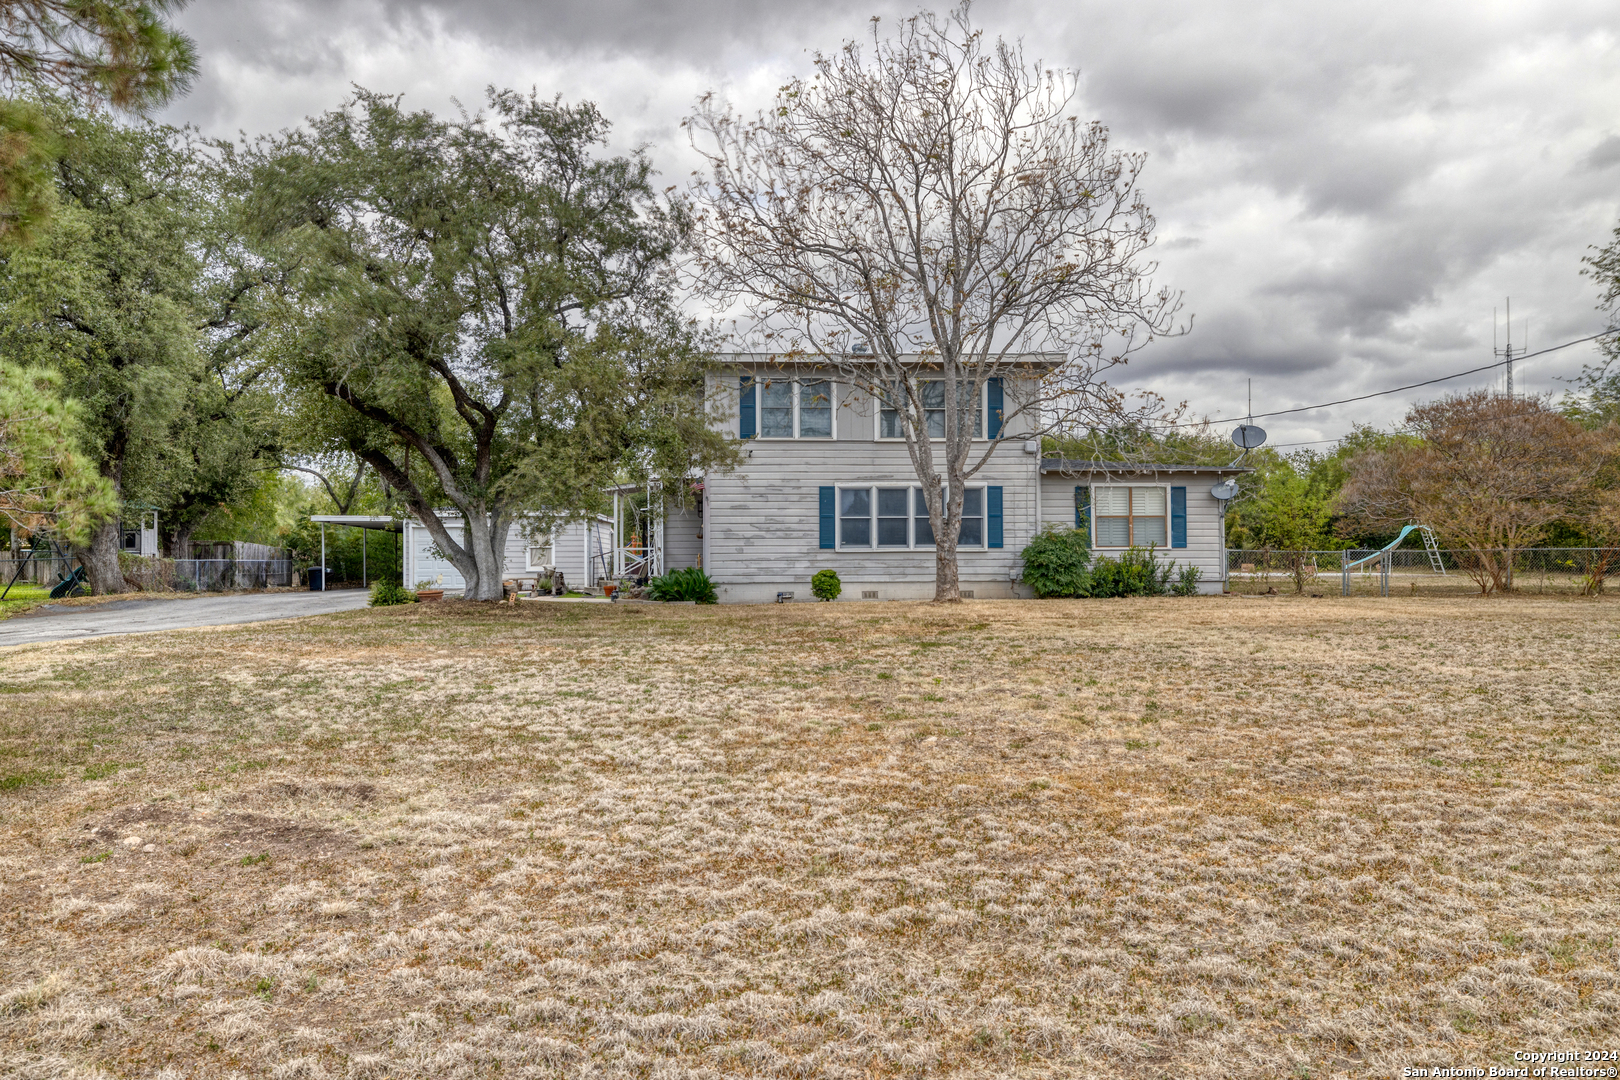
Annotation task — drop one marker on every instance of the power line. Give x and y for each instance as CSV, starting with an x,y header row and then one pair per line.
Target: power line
x,y
1399,389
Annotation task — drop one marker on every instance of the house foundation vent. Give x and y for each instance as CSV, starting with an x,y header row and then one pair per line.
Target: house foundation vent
x,y
869,594
967,594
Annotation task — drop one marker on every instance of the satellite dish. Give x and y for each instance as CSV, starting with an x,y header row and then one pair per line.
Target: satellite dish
x,y
1224,490
1249,437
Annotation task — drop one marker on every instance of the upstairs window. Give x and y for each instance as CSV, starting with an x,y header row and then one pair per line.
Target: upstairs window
x,y
776,409
794,408
932,392
1129,516
815,409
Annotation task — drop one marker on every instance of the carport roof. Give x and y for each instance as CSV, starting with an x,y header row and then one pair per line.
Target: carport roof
x,y
360,521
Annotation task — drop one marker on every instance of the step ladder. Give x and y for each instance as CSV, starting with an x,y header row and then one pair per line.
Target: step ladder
x,y
1433,549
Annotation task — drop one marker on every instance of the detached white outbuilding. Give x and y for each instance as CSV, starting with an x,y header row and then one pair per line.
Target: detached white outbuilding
x,y
581,550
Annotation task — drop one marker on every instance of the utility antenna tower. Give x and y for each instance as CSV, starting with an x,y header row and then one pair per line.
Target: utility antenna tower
x,y
1508,351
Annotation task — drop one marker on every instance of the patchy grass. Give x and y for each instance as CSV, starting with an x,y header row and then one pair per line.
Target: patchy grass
x,y
22,597
1142,838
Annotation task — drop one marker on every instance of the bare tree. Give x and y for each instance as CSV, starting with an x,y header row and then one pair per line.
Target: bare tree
x,y
927,217
1489,474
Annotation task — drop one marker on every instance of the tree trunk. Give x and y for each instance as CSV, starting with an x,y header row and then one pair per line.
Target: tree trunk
x,y
479,554
101,560
486,545
947,575
180,542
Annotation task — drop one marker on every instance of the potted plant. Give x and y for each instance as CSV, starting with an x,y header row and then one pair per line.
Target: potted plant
x,y
428,591
609,588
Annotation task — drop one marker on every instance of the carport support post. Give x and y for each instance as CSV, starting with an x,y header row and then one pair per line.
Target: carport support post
x,y
323,556
365,534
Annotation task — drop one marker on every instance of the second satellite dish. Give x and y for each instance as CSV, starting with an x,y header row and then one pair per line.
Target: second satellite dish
x,y
1249,437
1225,490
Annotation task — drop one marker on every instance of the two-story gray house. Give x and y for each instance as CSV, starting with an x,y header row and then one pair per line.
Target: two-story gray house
x,y
826,483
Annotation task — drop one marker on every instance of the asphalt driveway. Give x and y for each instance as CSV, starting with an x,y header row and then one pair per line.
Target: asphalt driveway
x,y
146,616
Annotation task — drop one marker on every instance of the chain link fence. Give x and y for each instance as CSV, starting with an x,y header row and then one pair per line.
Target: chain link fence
x,y
207,575
1566,571
166,575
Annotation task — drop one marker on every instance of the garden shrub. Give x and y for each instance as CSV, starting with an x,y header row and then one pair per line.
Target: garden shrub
x,y
690,583
1187,579
1055,562
825,585
388,593
1136,572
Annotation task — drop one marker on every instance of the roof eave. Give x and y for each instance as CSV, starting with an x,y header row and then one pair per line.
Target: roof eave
x,y
1064,465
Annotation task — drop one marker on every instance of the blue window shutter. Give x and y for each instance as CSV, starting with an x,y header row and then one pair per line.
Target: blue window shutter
x,y
1178,517
829,506
745,407
997,404
992,511
1082,508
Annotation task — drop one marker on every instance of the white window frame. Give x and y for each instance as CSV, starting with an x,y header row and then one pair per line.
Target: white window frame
x,y
528,554
1130,518
914,493
796,381
984,408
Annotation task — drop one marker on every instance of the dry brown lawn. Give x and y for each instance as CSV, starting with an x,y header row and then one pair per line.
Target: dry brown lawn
x,y
1171,838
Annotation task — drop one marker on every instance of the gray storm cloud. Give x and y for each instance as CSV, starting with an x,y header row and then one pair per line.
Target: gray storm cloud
x,y
1343,192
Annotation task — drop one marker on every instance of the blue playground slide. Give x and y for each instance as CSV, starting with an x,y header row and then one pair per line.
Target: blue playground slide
x,y
1379,554
1436,563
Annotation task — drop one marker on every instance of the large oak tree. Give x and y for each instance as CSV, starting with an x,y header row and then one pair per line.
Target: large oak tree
x,y
480,311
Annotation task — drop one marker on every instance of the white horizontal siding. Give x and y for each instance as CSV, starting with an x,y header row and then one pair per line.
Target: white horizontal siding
x,y
683,546
764,520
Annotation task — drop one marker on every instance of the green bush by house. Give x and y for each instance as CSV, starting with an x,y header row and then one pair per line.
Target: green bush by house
x,y
1135,572
690,583
1055,562
825,585
388,593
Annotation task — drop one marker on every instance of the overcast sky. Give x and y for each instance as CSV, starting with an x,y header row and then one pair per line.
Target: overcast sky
x,y
1344,191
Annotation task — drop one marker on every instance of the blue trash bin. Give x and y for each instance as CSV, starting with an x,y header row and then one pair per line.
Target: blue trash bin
x,y
317,579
